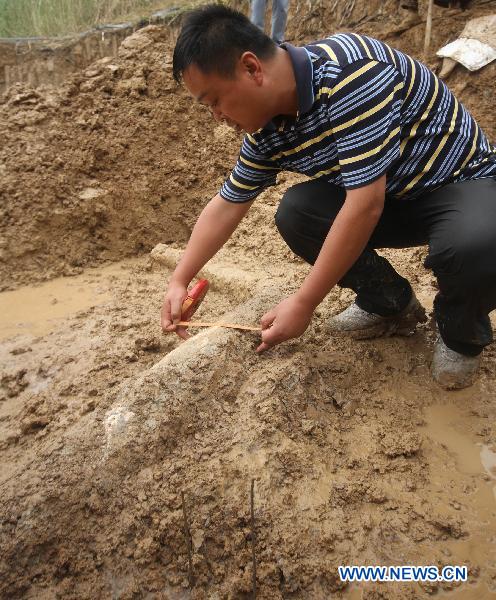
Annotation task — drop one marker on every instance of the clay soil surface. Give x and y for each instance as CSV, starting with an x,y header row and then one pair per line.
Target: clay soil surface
x,y
106,424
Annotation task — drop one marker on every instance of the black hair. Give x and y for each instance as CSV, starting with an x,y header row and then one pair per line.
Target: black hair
x,y
213,37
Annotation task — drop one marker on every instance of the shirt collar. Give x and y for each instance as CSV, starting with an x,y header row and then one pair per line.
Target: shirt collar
x,y
303,71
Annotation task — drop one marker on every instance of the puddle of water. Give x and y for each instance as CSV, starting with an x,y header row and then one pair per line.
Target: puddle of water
x,y
450,426
488,460
37,309
445,424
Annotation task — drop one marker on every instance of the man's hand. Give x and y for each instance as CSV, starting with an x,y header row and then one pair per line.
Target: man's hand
x,y
287,320
172,308
215,225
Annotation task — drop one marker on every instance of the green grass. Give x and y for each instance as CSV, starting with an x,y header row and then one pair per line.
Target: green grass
x,y
27,18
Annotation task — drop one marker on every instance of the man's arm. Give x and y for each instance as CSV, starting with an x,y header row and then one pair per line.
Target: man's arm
x,y
214,226
344,243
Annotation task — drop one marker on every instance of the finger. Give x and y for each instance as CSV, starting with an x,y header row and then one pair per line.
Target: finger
x,y
165,319
270,338
273,336
166,322
267,320
263,347
176,310
182,333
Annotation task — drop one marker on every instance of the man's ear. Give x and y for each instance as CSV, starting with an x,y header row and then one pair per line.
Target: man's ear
x,y
250,64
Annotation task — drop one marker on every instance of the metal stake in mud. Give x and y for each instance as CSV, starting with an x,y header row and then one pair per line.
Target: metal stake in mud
x,y
253,540
187,535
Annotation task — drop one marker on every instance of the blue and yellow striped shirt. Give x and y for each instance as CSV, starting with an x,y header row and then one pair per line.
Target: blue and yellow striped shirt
x,y
365,109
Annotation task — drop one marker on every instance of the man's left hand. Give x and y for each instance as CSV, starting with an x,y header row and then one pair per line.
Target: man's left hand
x,y
289,319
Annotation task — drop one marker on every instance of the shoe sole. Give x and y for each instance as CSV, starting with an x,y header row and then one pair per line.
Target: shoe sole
x,y
451,381
404,325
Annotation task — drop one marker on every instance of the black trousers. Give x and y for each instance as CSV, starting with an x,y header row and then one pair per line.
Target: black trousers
x,y
457,221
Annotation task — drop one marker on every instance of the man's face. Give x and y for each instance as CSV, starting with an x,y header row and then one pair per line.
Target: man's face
x,y
238,101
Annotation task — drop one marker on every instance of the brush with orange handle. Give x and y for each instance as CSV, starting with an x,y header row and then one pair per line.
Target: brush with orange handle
x,y
192,302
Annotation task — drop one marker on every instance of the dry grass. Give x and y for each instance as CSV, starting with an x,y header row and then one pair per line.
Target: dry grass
x,y
26,18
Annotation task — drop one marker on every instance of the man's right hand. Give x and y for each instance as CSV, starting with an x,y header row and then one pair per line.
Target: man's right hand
x,y
172,308
215,225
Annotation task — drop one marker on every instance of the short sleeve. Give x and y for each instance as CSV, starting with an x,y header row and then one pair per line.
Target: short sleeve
x,y
251,175
365,112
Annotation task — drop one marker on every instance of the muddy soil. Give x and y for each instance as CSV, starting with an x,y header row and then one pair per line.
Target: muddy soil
x,y
357,457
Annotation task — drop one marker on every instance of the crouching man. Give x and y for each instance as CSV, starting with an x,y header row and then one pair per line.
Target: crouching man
x,y
394,161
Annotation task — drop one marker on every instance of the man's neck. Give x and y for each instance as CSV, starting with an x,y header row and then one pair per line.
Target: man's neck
x,y
283,83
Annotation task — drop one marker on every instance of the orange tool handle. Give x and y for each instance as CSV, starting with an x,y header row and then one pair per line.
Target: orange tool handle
x,y
194,299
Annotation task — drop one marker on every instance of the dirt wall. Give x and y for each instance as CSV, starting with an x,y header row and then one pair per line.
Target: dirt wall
x,y
95,169
37,61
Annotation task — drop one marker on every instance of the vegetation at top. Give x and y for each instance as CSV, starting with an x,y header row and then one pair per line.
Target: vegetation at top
x,y
33,18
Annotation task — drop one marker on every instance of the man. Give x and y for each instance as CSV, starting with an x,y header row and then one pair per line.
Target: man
x,y
394,160
279,17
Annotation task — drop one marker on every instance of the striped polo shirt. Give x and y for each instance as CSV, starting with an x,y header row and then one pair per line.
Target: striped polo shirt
x,y
364,109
